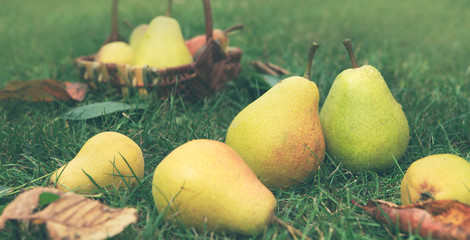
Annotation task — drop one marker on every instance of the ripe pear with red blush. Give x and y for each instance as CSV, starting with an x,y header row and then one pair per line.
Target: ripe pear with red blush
x,y
438,176
279,134
205,184
197,43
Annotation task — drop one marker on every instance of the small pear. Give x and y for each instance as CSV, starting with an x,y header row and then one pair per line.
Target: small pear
x,y
205,184
137,34
365,128
116,52
162,45
279,134
111,159
196,43
440,177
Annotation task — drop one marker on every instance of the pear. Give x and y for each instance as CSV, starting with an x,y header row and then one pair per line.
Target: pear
x,y
162,45
107,160
196,43
137,34
116,52
279,134
440,177
364,127
205,184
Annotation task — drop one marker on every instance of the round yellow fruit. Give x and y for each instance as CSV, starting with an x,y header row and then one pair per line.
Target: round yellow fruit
x,y
116,52
439,176
107,160
205,184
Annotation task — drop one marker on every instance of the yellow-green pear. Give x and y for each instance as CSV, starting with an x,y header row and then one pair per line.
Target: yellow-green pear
x,y
205,184
162,45
116,52
279,134
365,128
438,176
137,34
107,160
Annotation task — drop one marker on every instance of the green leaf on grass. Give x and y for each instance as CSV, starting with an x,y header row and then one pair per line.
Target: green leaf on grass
x,y
264,81
270,80
46,198
98,109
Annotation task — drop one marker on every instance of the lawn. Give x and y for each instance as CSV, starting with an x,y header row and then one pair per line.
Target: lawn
x,y
420,47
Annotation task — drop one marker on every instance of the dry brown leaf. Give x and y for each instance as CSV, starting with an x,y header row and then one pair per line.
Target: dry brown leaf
x,y
439,219
71,216
77,91
42,90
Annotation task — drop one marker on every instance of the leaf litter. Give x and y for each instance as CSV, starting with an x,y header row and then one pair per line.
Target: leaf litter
x,y
68,215
437,219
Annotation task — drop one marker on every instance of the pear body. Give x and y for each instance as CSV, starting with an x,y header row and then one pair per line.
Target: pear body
x,y
364,127
162,45
205,182
116,52
102,158
279,134
137,34
196,43
439,176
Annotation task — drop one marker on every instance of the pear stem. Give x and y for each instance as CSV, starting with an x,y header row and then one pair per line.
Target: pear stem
x,y
308,69
290,228
348,44
168,10
235,27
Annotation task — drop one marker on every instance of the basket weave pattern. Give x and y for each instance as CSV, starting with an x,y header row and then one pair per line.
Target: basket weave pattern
x,y
208,73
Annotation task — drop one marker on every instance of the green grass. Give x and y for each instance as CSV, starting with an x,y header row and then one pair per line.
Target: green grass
x,y
419,46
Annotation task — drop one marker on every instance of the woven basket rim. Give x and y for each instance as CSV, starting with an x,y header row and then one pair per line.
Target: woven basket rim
x,y
193,79
91,59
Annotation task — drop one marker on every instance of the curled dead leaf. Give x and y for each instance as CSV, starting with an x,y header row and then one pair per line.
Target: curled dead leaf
x,y
77,91
70,216
43,90
438,219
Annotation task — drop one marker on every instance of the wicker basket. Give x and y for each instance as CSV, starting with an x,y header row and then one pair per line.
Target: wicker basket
x,y
209,72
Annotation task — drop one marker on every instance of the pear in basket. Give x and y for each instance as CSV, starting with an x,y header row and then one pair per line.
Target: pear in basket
x,y
162,45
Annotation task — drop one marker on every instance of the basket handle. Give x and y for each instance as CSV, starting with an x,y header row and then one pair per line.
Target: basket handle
x,y
208,19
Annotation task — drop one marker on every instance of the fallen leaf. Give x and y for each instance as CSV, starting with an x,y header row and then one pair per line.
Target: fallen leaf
x,y
42,90
77,91
68,215
438,219
98,109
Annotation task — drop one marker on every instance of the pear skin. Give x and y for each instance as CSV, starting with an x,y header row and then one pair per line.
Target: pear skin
x,y
162,45
137,34
116,52
364,127
439,176
102,158
279,134
205,184
196,43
